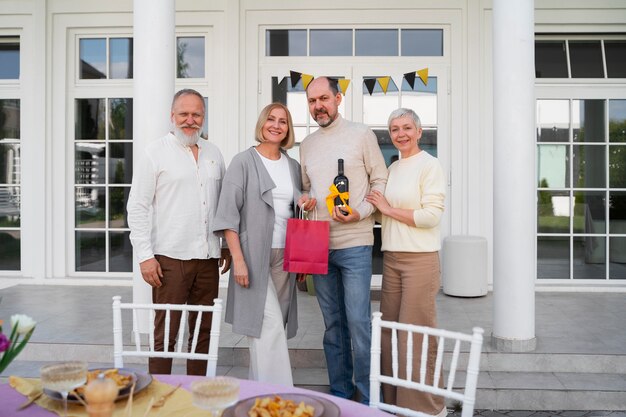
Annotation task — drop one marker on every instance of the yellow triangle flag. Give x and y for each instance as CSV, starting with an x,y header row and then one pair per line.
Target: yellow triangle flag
x,y
423,74
343,84
306,79
384,83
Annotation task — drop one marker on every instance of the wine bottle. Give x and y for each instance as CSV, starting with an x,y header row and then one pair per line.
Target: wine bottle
x,y
342,184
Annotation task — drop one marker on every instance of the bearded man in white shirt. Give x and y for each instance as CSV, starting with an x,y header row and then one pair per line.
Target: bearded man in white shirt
x,y
171,209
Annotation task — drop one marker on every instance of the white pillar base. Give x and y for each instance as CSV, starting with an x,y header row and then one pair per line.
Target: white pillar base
x,y
513,345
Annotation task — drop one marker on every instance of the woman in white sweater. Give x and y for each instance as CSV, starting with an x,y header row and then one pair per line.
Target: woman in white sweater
x,y
411,210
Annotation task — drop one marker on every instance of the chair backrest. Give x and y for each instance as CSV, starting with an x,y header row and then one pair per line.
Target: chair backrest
x,y
467,396
148,351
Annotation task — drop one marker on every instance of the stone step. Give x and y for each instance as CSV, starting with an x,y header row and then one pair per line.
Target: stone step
x,y
314,358
496,390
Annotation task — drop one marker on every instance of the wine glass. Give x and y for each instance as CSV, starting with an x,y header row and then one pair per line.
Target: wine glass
x,y
215,394
63,377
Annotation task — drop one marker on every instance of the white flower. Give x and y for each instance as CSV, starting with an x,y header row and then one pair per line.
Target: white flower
x,y
25,323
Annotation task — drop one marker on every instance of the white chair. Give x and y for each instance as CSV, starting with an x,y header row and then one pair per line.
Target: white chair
x,y
467,397
148,351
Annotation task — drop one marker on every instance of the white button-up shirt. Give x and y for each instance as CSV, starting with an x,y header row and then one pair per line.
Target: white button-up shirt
x,y
173,200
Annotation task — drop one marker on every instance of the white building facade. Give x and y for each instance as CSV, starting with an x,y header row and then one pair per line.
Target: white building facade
x,y
68,136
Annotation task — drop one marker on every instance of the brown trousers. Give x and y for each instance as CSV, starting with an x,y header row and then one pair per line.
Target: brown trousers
x,y
410,284
193,282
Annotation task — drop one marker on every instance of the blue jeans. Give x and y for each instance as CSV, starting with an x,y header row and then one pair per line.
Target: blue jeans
x,y
344,298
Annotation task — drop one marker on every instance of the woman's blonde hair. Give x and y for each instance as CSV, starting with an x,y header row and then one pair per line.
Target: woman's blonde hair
x,y
289,140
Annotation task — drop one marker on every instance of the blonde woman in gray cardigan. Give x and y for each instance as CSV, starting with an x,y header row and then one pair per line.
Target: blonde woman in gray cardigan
x,y
259,193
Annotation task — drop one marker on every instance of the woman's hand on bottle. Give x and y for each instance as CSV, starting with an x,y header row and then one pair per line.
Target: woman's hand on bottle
x,y
241,272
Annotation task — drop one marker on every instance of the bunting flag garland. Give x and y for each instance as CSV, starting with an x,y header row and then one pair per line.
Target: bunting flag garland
x,y
295,77
384,83
343,85
370,83
306,79
410,78
423,74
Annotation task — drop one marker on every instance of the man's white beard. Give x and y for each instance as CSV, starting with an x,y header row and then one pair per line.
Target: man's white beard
x,y
187,140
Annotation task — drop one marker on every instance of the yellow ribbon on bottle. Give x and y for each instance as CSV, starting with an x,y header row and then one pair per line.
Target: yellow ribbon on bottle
x,y
330,199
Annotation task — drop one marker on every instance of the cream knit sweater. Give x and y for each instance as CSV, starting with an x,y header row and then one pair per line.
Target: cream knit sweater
x,y
364,166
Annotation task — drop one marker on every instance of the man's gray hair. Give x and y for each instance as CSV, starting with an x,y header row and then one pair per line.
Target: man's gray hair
x,y
186,92
402,112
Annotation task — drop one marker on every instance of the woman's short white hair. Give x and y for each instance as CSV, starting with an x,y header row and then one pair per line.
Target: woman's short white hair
x,y
402,112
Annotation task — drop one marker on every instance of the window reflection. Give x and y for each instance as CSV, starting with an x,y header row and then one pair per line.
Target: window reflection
x,y
589,257
280,42
10,255
10,200
10,163
617,120
589,212
9,119
331,42
190,57
121,58
552,257
90,209
422,42
9,60
90,251
588,121
586,59
550,59
617,212
90,159
553,211
120,118
617,256
120,163
553,120
376,42
118,197
589,166
617,166
615,52
93,58
120,252
552,166
90,118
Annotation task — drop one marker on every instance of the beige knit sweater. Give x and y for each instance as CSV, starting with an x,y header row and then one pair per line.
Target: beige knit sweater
x,y
364,166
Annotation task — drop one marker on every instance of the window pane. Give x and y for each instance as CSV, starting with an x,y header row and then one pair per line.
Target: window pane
x,y
90,251
293,97
120,163
617,257
120,118
90,160
10,206
617,166
589,212
9,119
93,58
552,257
118,197
121,58
589,166
422,99
586,59
331,42
588,120
550,59
428,142
617,120
10,253
617,212
120,252
376,42
422,42
390,153
615,52
9,61
553,211
552,166
589,257
90,207
280,42
190,57
10,163
553,120
90,118
378,105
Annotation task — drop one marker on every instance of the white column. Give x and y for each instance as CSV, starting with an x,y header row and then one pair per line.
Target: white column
x,y
514,248
154,56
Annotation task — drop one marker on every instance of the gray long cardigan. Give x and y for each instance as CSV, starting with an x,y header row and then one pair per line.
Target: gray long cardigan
x,y
246,206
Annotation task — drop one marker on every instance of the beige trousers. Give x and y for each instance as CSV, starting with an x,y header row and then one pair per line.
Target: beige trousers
x,y
410,284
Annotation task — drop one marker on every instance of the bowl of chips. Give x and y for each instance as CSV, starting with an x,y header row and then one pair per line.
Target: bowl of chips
x,y
280,405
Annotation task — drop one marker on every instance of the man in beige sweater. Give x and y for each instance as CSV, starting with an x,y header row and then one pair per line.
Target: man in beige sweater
x,y
344,293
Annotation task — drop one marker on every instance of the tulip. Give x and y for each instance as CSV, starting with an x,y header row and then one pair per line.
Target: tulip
x,y
23,322
4,342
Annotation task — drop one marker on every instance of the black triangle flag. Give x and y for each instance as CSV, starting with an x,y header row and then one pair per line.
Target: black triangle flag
x,y
370,83
410,78
295,77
